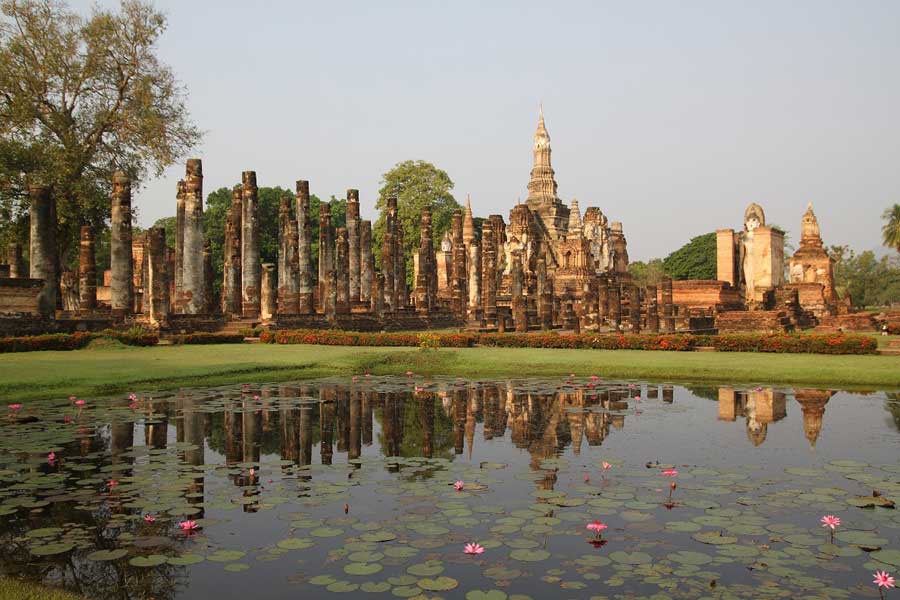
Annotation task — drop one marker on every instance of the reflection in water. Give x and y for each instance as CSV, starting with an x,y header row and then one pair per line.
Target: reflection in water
x,y
241,428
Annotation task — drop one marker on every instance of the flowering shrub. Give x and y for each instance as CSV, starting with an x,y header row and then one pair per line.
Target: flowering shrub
x,y
815,343
208,338
804,343
74,341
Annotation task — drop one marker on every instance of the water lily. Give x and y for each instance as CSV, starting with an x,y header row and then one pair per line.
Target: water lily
x,y
637,398
149,519
15,407
832,522
758,388
597,527
883,580
409,373
252,472
112,483
132,397
355,378
594,378
368,374
188,526
670,472
587,478
475,548
51,458
459,485
606,466
79,403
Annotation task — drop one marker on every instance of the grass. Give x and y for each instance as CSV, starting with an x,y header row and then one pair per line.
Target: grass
x,y
109,370
13,589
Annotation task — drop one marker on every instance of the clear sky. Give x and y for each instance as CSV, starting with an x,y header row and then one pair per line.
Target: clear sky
x,y
669,116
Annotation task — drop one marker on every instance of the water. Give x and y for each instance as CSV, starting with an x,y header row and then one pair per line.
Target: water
x,y
335,486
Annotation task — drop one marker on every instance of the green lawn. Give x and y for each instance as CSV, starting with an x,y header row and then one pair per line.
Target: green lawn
x,y
99,371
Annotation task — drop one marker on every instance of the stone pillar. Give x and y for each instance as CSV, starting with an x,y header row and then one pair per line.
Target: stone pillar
x,y
267,292
121,266
516,282
652,310
489,275
377,295
87,272
288,261
193,278
366,261
14,258
305,299
615,303
331,296
209,292
179,246
474,267
231,285
458,287
156,287
634,308
326,253
602,300
251,270
387,270
668,308
425,298
140,260
353,243
545,295
342,271
402,292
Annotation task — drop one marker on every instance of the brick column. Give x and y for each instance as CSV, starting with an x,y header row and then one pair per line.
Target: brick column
x,y
156,288
121,293
353,244
87,272
366,261
251,270
305,299
193,278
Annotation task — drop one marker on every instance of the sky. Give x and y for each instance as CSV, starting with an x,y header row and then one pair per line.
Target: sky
x,y
669,116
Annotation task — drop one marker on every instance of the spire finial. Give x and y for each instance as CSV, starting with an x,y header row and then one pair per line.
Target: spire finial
x,y
541,111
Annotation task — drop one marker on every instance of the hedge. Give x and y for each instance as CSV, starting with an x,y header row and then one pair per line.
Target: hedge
x,y
74,341
836,343
208,338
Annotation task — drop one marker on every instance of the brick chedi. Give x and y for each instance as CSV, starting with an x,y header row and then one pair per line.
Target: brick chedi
x,y
251,270
811,270
305,299
87,272
120,261
193,279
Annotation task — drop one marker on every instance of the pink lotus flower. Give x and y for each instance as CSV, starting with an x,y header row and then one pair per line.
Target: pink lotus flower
x,y
189,526
597,527
112,483
72,398
149,518
256,397
831,521
758,388
594,378
79,403
51,457
355,378
638,398
368,374
458,486
476,548
132,397
571,375
606,466
409,373
883,579
670,472
15,407
252,472
631,385
587,478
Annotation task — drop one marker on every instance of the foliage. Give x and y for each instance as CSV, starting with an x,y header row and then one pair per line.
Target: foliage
x,y
869,281
208,338
890,232
74,341
694,260
762,342
416,184
649,273
79,98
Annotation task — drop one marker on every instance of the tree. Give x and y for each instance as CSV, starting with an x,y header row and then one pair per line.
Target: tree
x,y
79,99
268,203
868,280
694,260
646,273
416,184
890,232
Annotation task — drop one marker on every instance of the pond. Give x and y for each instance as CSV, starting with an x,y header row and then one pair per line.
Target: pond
x,y
340,486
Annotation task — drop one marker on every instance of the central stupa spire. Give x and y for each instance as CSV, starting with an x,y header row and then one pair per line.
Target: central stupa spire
x,y
542,198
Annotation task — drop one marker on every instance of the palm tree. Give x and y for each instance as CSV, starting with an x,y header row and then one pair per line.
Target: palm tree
x,y
890,233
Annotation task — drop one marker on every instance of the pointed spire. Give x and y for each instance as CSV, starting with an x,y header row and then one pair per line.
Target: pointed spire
x,y
468,223
575,224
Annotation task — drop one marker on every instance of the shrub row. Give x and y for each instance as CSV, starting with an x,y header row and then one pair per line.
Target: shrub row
x,y
74,341
787,343
208,338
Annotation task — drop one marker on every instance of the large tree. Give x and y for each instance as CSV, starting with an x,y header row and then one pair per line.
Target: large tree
x,y
694,260
81,97
416,184
890,232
